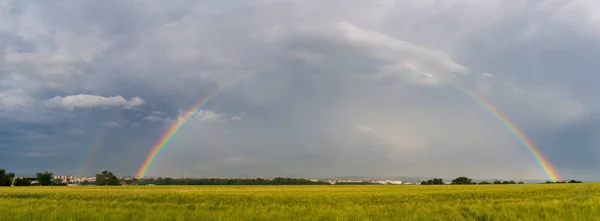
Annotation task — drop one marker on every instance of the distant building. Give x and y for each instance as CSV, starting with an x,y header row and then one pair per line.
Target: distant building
x,y
386,182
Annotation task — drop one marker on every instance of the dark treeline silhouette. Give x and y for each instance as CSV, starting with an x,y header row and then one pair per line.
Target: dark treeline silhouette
x,y
500,182
107,178
506,182
434,181
570,181
41,179
462,181
223,181
468,181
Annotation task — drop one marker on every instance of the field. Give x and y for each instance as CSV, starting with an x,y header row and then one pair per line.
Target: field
x,y
477,202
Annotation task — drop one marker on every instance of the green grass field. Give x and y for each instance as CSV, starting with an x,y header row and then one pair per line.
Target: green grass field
x,y
481,202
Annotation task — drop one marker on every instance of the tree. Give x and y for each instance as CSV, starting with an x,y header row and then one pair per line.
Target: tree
x,y
497,182
106,178
575,181
434,181
462,180
521,182
22,182
438,181
484,183
6,179
45,178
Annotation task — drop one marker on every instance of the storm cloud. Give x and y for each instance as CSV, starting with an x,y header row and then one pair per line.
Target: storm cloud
x,y
299,88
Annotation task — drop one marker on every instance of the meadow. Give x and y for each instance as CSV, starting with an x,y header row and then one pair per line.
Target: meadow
x,y
337,202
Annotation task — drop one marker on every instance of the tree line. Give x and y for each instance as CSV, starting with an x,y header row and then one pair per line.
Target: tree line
x,y
468,181
8,179
47,179
107,178
225,181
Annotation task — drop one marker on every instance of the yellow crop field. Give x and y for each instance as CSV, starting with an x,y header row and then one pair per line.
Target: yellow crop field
x,y
337,202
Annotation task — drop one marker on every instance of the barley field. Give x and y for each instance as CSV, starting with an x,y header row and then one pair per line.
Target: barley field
x,y
377,202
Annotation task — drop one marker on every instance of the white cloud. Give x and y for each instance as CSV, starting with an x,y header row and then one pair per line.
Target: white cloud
x,y
157,116
133,102
400,59
424,78
235,118
204,115
402,53
81,101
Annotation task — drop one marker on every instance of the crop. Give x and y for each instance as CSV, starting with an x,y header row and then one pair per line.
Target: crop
x,y
372,202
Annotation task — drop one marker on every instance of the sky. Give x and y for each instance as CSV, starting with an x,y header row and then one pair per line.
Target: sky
x,y
306,88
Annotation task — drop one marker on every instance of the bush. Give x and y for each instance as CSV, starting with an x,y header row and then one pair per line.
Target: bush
x,y
22,182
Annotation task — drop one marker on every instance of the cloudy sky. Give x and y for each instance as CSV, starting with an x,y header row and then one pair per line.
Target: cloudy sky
x,y
303,87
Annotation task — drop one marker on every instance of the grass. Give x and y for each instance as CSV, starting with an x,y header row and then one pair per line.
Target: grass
x,y
389,202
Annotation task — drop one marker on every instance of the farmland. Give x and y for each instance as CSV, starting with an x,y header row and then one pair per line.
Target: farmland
x,y
377,202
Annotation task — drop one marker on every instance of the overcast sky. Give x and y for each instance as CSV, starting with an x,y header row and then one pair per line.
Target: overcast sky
x,y
305,88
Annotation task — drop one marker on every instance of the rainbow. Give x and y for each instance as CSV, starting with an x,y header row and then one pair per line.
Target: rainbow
x,y
514,129
181,120
505,121
97,145
168,135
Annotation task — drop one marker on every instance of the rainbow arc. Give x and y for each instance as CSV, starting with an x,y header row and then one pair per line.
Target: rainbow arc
x,y
167,136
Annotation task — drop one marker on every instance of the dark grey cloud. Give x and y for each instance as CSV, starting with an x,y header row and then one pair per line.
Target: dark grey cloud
x,y
306,88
